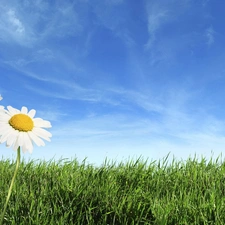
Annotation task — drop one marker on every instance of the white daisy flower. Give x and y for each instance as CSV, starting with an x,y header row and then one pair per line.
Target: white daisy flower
x,y
19,128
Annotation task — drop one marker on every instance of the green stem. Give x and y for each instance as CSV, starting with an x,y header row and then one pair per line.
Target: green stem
x,y
11,185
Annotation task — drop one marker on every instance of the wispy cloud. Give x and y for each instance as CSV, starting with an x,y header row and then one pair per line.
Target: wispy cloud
x,y
209,34
11,26
15,22
113,15
162,13
104,12
116,133
46,21
156,18
170,35
62,21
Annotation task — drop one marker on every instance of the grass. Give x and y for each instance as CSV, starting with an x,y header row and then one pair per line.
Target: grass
x,y
135,192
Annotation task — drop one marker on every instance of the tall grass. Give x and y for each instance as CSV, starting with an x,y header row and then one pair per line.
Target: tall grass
x,y
135,192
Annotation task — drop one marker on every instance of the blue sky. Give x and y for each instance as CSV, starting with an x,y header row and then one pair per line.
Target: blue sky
x,y
117,78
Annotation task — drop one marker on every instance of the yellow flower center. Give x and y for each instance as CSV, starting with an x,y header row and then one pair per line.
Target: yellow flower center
x,y
21,122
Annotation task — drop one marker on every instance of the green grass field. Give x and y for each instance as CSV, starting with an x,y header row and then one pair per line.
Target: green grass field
x,y
135,192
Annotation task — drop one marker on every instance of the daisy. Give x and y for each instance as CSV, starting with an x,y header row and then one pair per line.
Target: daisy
x,y
19,128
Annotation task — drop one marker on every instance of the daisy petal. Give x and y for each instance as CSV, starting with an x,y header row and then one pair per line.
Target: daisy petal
x,y
32,113
24,110
12,111
27,143
36,139
42,133
38,122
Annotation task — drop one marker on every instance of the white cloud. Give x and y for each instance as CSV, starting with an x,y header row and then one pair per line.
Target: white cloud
x,y
157,15
15,22
169,118
11,26
27,23
160,14
155,21
64,21
209,33
112,14
117,135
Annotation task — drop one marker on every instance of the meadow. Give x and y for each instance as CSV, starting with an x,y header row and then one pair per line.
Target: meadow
x,y
127,193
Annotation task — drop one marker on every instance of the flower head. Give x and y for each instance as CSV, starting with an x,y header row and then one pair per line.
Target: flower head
x,y
19,128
